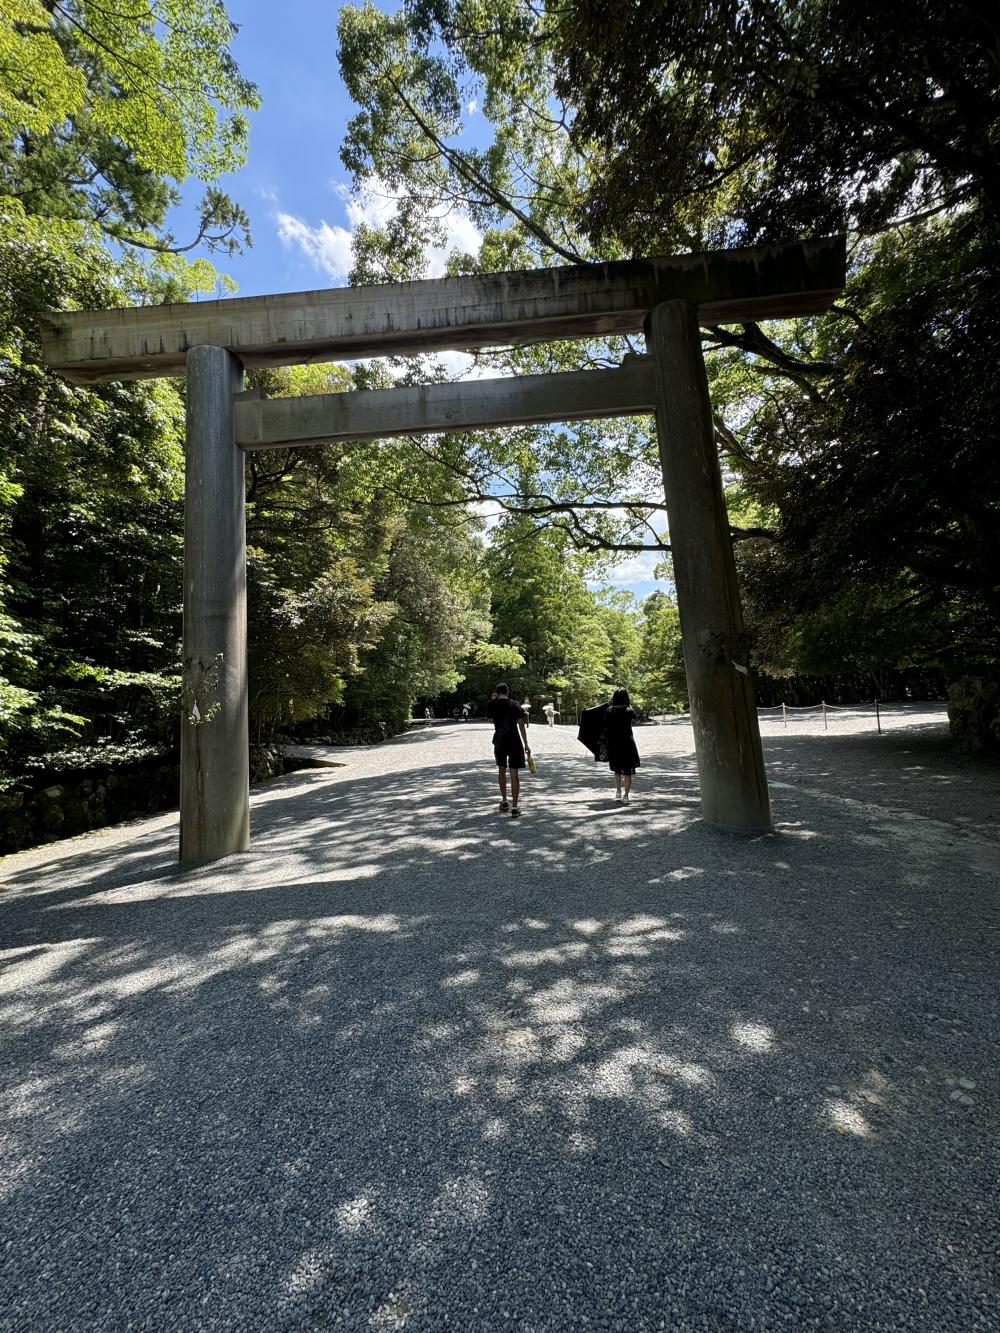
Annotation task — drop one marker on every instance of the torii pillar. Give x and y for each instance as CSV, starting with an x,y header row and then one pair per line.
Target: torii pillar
x,y
215,765
723,711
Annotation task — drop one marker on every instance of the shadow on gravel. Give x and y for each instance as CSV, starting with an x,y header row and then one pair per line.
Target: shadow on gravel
x,y
411,1065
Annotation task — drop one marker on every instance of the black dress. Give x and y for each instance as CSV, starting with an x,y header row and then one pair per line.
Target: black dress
x,y
623,757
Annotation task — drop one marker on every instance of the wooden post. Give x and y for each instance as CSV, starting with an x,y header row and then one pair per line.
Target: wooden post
x,y
215,780
726,733
825,727
784,714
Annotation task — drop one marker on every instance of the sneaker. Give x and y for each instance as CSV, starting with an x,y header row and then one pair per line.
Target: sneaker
x,y
504,807
515,813
625,799
618,797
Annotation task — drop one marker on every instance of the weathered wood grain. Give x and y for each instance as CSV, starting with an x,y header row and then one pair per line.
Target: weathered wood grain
x,y
215,779
731,773
412,410
497,309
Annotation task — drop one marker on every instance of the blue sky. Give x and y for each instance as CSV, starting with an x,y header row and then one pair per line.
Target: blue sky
x,y
294,186
290,52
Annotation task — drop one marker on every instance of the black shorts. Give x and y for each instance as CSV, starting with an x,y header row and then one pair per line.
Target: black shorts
x,y
508,750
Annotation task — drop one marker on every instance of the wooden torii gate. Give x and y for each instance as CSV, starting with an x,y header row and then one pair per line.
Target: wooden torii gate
x,y
667,298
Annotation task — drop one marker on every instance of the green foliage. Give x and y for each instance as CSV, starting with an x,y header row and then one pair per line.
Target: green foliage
x,y
496,657
108,109
707,124
974,713
878,499
412,74
106,112
542,605
435,587
868,486
661,684
619,614
89,511
38,88
365,599
351,585
857,447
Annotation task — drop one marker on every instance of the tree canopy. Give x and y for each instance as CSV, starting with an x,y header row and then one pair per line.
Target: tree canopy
x,y
712,123
108,110
607,132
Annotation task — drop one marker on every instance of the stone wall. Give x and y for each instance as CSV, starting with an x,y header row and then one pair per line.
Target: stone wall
x,y
81,799
58,805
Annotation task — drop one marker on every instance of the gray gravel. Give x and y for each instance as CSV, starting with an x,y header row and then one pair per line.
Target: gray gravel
x,y
410,1065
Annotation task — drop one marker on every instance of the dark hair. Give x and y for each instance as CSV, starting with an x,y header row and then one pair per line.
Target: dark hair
x,y
620,699
502,688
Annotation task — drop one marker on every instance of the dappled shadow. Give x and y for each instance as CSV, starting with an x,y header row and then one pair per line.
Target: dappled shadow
x,y
906,774
140,848
411,1063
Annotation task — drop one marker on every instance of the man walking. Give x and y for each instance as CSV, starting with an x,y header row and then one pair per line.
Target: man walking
x,y
510,744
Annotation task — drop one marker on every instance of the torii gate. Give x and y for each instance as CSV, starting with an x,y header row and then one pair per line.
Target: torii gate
x,y
667,297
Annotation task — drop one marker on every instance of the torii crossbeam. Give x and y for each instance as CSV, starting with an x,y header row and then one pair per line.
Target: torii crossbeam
x,y
667,297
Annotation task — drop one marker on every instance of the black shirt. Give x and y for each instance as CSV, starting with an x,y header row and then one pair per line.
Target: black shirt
x,y
505,715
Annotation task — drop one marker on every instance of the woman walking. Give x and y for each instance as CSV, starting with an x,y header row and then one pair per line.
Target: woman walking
x,y
623,757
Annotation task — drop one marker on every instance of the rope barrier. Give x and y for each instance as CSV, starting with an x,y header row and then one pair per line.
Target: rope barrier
x,y
805,708
826,708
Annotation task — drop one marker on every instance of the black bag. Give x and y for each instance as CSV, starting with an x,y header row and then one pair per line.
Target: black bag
x,y
593,731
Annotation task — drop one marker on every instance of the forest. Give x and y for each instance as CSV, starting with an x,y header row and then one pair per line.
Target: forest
x,y
858,447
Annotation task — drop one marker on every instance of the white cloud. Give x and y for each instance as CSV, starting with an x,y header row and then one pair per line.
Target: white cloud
x,y
328,247
463,366
458,365
490,511
375,207
657,520
377,204
472,107
636,570
461,233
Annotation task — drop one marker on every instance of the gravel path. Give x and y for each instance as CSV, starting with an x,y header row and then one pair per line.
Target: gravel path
x,y
412,1065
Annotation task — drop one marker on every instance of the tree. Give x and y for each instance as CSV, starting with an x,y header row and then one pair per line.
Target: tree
x,y
863,435
662,686
680,126
107,110
412,74
90,485
620,615
883,491
437,589
364,600
708,124
541,604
